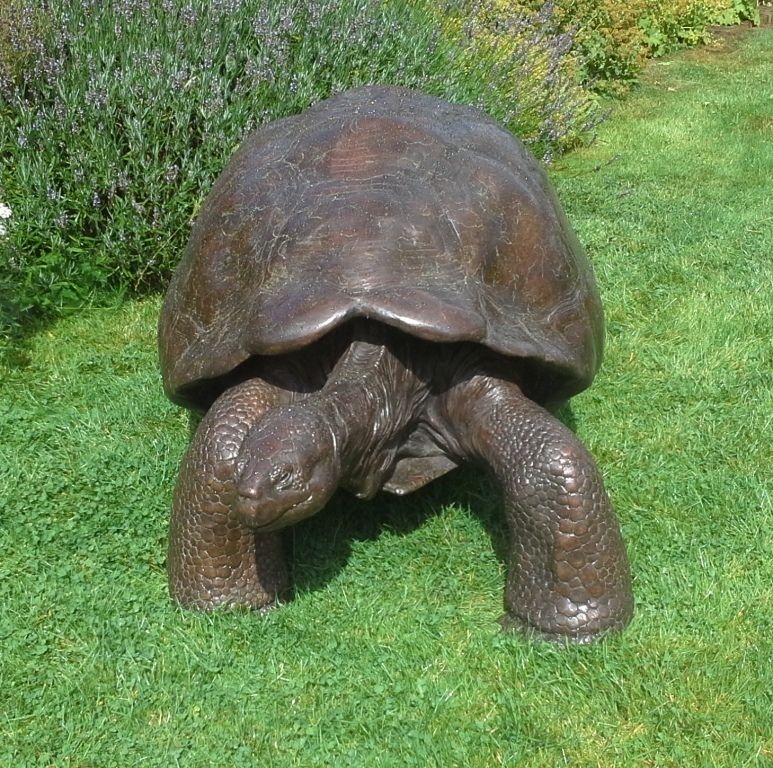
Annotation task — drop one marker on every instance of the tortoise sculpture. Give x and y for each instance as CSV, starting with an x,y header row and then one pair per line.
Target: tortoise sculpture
x,y
375,291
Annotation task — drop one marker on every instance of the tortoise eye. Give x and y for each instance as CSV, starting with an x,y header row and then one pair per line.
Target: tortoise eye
x,y
282,475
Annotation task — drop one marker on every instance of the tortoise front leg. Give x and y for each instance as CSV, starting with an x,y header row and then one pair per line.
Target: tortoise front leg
x,y
214,560
569,576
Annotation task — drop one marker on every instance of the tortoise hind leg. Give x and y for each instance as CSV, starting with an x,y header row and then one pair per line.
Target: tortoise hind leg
x,y
214,560
568,572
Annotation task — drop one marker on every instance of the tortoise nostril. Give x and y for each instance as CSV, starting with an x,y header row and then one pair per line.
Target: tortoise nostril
x,y
248,489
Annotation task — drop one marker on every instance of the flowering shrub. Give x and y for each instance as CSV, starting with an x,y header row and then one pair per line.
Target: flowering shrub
x,y
21,47
530,62
117,115
612,38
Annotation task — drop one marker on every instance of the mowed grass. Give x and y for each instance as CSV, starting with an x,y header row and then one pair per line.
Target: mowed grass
x,y
390,653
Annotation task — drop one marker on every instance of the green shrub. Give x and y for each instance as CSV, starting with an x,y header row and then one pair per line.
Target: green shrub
x,y
617,36
130,108
124,111
671,24
613,38
533,67
20,33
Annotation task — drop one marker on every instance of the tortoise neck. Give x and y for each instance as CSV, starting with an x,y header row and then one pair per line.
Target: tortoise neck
x,y
370,396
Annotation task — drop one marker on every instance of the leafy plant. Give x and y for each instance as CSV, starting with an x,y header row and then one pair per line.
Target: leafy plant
x,y
125,111
533,67
613,38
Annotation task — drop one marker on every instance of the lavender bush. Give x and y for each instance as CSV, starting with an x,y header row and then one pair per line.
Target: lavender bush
x,y
117,116
533,63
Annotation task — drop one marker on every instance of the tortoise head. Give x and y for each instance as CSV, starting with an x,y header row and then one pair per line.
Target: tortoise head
x,y
288,468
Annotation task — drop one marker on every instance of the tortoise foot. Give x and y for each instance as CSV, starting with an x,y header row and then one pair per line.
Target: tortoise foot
x,y
232,602
252,577
249,574
511,623
567,622
568,572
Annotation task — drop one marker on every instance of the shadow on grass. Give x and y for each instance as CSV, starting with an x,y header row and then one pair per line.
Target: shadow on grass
x,y
319,549
19,325
15,340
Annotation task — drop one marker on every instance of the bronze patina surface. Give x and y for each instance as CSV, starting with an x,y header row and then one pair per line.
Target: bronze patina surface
x,y
376,291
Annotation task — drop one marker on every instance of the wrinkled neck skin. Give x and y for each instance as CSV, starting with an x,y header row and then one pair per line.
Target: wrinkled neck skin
x,y
371,398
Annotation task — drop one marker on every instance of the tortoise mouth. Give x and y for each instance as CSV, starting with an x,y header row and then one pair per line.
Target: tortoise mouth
x,y
264,515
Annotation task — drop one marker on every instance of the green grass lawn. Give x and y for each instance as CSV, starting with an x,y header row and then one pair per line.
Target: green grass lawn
x,y
390,654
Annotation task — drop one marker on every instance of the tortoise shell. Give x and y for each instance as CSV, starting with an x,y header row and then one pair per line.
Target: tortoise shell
x,y
387,204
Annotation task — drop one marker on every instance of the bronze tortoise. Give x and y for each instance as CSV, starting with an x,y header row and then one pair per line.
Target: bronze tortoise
x,y
376,291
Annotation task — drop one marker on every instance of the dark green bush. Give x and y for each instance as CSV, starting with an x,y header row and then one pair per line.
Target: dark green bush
x,y
118,115
126,111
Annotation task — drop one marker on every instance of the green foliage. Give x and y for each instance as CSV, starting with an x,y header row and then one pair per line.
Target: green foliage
x,y
613,38
117,116
20,32
620,35
390,653
132,107
532,66
668,26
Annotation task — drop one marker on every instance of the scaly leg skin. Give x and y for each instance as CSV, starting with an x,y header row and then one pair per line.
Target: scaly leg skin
x,y
569,578
214,560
